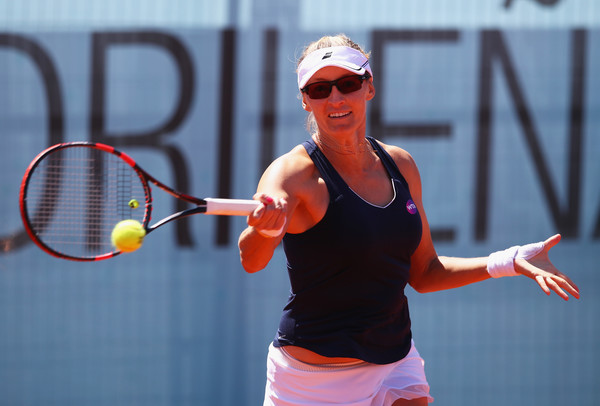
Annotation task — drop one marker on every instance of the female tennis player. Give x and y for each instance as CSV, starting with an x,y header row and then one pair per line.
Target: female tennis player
x,y
349,211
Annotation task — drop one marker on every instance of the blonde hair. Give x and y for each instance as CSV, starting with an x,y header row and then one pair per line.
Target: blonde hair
x,y
326,42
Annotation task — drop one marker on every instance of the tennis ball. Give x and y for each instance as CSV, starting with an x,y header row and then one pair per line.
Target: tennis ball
x,y
134,204
128,235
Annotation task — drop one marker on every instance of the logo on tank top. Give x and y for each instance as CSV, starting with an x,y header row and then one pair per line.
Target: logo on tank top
x,y
411,207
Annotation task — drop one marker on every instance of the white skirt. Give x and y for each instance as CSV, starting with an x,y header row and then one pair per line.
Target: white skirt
x,y
291,382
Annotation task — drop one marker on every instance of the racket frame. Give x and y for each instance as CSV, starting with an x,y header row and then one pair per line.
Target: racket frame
x,y
213,206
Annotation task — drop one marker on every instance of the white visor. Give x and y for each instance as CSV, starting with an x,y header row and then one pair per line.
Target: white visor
x,y
343,57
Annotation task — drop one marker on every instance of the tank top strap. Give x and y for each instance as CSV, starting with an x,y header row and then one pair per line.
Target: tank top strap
x,y
332,179
388,161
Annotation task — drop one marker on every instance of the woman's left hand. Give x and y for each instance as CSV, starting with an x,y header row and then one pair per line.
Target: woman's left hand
x,y
540,269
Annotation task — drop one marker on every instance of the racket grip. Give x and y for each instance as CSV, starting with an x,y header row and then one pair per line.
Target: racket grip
x,y
230,207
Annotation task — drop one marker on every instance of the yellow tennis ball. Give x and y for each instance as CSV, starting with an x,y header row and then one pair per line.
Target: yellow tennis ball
x,y
134,204
128,235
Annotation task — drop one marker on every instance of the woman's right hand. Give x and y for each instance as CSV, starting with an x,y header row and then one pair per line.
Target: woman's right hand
x,y
269,219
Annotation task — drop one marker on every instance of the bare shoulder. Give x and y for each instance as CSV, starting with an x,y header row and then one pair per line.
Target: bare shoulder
x,y
405,162
295,177
290,172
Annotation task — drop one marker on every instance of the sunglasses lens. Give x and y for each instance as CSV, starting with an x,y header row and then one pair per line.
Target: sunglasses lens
x,y
322,90
319,90
349,84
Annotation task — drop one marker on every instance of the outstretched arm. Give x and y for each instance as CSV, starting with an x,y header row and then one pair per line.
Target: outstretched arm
x,y
430,272
531,260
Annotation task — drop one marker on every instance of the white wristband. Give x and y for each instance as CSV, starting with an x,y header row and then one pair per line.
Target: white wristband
x,y
502,263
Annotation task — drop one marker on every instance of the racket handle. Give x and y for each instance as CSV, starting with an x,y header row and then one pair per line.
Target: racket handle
x,y
230,207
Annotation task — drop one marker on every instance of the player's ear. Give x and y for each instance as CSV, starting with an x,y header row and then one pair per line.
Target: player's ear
x,y
370,89
305,105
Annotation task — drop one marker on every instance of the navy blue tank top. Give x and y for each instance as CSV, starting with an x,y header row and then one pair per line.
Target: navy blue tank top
x,y
348,272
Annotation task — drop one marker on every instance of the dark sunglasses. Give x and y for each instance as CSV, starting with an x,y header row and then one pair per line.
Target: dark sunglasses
x,y
347,84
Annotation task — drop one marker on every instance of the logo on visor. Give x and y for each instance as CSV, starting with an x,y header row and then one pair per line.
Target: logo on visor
x,y
327,55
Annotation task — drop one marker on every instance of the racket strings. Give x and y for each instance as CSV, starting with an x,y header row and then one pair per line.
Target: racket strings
x,y
75,197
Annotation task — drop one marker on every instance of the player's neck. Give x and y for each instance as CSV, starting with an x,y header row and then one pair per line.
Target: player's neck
x,y
342,146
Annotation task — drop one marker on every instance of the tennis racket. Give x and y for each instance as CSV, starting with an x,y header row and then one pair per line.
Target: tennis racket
x,y
73,194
